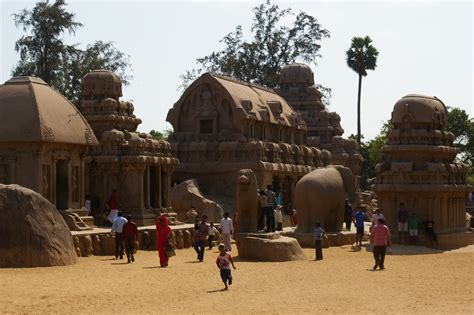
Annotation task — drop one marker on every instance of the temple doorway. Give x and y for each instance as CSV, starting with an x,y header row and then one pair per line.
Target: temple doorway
x,y
62,185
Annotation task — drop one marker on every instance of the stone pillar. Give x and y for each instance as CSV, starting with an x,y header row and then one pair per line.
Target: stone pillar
x,y
160,187
53,177
140,171
147,197
81,182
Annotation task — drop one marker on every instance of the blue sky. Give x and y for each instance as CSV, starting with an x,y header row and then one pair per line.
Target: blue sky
x,y
425,47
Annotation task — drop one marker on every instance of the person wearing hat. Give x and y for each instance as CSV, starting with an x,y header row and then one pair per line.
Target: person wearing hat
x,y
130,235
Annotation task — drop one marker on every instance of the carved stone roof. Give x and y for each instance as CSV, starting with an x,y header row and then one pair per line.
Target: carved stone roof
x,y
250,101
99,84
296,73
420,109
31,111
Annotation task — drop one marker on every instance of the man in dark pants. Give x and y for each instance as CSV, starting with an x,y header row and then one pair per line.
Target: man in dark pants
x,y
270,211
348,215
262,206
201,238
319,233
380,236
117,228
130,235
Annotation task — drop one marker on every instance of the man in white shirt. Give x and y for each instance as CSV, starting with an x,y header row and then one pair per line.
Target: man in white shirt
x,y
226,231
375,218
117,228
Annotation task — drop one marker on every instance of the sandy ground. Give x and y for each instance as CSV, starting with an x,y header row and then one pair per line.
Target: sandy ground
x,y
343,283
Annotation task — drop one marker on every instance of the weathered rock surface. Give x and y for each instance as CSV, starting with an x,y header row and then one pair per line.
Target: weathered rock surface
x,y
187,194
268,247
32,232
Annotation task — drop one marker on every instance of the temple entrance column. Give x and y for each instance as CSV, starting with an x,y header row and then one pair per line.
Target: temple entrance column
x,y
160,187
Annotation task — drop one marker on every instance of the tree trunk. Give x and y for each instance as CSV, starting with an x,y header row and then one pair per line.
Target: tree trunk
x,y
358,110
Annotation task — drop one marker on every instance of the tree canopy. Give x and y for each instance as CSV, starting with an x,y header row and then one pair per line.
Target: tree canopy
x,y
462,127
44,54
272,46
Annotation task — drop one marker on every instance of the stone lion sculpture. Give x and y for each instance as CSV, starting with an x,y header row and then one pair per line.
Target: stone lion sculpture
x,y
320,196
246,202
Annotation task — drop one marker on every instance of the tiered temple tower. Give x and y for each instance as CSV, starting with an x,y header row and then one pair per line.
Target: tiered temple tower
x,y
296,86
133,163
419,168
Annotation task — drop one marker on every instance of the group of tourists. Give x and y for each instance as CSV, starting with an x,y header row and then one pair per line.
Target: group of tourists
x,y
126,234
270,216
408,225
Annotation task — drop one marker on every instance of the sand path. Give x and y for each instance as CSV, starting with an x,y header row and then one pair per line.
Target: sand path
x,y
342,283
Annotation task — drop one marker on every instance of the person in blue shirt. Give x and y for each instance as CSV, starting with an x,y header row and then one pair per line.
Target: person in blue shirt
x,y
359,219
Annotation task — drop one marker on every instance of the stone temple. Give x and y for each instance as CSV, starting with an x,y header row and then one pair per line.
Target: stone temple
x,y
296,86
419,167
43,139
222,125
133,163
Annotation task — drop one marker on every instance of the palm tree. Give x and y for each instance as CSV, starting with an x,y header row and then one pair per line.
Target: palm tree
x,y
362,56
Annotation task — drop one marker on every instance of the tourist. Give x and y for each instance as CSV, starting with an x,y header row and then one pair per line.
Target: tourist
x,y
348,215
262,206
212,235
413,228
294,217
163,236
375,218
359,221
319,233
430,232
224,260
227,228
201,238
402,223
130,235
191,215
117,229
380,237
279,218
87,204
113,206
269,214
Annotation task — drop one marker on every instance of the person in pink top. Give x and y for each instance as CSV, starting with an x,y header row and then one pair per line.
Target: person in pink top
x,y
381,239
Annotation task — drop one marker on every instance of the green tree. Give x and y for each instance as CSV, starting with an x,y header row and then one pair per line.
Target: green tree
x,y
360,57
462,127
44,54
160,135
272,46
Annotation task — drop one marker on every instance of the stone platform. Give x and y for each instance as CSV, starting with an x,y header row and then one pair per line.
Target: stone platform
x,y
306,240
100,241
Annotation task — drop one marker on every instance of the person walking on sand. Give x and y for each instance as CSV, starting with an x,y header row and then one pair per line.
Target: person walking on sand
x,y
359,219
380,237
130,235
117,229
227,227
224,260
163,236
319,233
201,238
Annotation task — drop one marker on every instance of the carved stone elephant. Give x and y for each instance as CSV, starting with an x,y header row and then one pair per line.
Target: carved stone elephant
x,y
320,196
246,202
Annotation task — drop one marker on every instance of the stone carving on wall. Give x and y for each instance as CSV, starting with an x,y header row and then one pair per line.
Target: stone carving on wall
x,y
4,176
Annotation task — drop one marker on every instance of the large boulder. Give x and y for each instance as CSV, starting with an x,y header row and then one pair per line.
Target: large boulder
x,y
32,232
187,194
268,247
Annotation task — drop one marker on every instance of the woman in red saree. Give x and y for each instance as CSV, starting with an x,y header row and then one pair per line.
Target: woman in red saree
x,y
163,234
